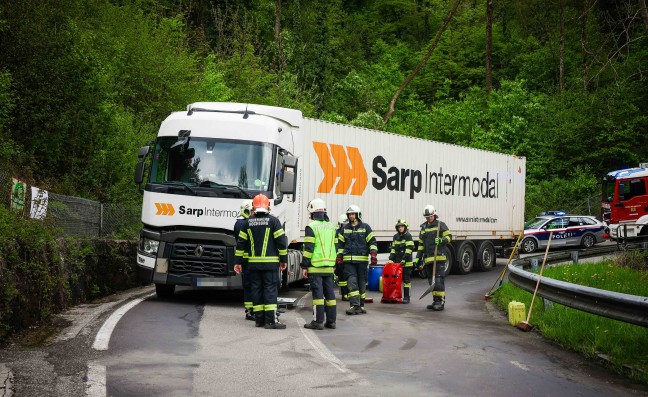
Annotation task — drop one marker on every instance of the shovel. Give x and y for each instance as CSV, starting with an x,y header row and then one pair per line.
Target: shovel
x,y
525,325
436,249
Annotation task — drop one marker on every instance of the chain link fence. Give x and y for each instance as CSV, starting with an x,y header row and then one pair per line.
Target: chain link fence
x,y
76,216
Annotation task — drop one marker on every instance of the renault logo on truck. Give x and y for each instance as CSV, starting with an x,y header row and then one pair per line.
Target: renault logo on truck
x,y
345,167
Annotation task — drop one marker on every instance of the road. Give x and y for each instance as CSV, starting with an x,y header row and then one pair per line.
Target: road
x,y
200,345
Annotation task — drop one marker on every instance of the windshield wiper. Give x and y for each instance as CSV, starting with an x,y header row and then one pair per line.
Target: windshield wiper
x,y
184,186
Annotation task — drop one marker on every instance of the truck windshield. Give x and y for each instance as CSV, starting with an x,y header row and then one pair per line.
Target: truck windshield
x,y
608,190
212,163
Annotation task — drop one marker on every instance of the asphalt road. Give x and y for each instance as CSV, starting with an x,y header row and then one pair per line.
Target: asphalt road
x,y
199,344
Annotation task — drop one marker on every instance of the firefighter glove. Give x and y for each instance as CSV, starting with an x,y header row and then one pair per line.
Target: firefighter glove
x,y
374,259
438,241
338,260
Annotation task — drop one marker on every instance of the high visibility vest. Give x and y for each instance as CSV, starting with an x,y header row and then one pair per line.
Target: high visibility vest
x,y
324,251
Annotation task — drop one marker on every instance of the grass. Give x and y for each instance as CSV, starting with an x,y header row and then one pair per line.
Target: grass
x,y
625,345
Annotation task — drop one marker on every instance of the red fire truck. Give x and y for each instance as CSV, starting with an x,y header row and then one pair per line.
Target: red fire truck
x,y
624,202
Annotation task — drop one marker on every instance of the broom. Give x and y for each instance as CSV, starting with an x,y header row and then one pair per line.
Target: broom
x,y
501,276
525,325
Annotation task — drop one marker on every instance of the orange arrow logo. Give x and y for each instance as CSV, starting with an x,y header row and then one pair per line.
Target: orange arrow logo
x,y
164,209
347,166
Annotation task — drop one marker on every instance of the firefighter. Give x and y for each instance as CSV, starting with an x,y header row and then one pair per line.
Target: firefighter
x,y
339,267
246,211
318,265
434,233
263,239
356,242
401,252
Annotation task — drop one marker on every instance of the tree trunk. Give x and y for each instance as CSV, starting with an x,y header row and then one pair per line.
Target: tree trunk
x,y
585,52
644,12
422,63
489,46
561,77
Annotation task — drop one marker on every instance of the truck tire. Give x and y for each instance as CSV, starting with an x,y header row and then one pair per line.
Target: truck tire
x,y
450,261
164,291
466,256
486,256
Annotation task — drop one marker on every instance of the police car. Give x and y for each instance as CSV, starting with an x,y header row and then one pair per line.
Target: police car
x,y
568,230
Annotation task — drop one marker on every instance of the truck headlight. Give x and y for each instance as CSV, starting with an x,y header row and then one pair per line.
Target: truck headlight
x,y
148,246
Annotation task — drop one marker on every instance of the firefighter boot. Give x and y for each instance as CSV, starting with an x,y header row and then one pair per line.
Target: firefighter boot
x,y
330,325
362,306
354,310
314,325
438,304
249,315
406,297
259,319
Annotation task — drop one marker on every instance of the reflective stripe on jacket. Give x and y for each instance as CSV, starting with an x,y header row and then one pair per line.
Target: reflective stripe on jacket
x,y
263,239
402,248
355,243
319,247
426,240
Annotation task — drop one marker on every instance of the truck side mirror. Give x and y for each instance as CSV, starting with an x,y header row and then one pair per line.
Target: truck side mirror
x,y
139,172
141,164
288,179
288,183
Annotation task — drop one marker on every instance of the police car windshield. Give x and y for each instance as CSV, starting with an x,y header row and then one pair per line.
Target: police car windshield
x,y
212,163
535,223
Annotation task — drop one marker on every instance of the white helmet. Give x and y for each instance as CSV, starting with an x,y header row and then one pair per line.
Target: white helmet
x,y
343,219
429,210
316,205
354,209
246,206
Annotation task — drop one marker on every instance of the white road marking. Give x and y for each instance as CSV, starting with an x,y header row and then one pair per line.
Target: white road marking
x,y
96,383
103,336
520,365
326,354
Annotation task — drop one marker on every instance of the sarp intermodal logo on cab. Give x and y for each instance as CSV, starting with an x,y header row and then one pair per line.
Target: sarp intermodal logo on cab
x,y
342,166
164,209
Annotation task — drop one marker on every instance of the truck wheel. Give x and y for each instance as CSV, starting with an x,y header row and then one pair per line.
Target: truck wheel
x,y
284,281
528,245
465,258
450,262
486,256
164,291
588,241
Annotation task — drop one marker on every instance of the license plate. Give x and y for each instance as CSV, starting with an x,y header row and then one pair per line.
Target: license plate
x,y
210,282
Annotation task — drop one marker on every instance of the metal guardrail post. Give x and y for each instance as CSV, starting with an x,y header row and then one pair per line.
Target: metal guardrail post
x,y
574,256
534,264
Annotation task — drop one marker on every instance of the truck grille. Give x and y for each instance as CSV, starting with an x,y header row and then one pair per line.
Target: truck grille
x,y
198,259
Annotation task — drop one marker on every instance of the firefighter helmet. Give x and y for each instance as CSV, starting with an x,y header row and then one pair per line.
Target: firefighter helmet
x,y
246,207
429,210
402,222
316,205
343,219
354,209
261,203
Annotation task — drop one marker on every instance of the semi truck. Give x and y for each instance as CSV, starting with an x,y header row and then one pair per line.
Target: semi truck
x,y
624,202
209,158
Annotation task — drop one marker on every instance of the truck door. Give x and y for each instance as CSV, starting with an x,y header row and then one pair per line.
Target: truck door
x,y
633,199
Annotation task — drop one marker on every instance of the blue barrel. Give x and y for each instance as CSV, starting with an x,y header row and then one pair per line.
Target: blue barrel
x,y
375,272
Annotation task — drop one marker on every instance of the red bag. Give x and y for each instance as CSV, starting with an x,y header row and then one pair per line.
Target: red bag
x,y
392,277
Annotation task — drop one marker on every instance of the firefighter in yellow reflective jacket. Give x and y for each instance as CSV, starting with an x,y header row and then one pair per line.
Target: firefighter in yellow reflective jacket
x,y
356,243
401,252
434,233
266,245
318,264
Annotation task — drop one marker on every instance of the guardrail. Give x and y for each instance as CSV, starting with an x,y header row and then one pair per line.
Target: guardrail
x,y
623,307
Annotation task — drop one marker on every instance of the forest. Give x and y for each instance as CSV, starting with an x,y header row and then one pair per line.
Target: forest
x,y
85,83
